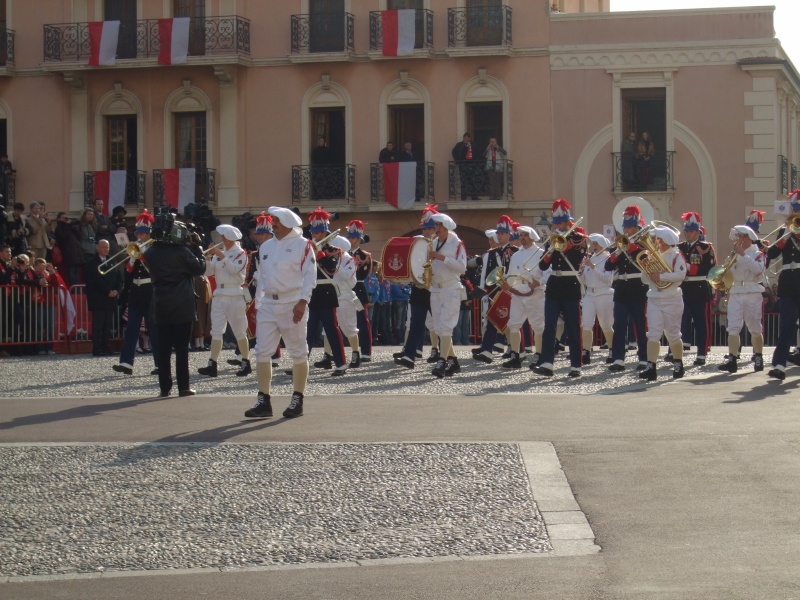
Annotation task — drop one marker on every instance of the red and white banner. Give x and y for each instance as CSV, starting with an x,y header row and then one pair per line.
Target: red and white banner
x,y
399,32
103,37
173,34
400,183
109,186
179,188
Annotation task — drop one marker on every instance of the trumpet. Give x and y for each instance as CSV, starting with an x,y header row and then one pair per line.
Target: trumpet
x,y
133,250
558,241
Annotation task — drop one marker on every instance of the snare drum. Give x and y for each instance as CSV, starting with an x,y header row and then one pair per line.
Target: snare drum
x,y
402,259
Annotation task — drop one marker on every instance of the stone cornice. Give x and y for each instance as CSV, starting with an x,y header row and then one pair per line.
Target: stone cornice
x,y
650,14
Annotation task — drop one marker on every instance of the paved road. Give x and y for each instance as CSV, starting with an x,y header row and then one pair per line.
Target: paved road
x,y
691,487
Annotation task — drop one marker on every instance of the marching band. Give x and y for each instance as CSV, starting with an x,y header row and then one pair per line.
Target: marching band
x,y
644,284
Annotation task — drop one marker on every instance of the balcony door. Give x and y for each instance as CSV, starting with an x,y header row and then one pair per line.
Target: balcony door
x,y
196,11
407,123
485,120
121,143
191,148
643,110
484,22
123,11
326,22
328,171
419,17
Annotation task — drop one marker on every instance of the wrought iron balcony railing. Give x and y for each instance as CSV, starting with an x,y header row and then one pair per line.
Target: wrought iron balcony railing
x,y
6,47
205,187
315,183
134,188
633,174
479,26
423,26
8,188
209,36
322,32
794,178
469,180
783,173
424,182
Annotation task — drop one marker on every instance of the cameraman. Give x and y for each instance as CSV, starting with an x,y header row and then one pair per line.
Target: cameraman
x,y
173,266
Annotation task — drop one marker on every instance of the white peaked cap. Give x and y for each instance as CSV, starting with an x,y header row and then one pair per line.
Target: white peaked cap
x,y
445,220
287,217
230,232
341,242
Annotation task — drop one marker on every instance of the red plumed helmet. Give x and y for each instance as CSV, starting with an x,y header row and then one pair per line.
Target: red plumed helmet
x,y
319,220
264,223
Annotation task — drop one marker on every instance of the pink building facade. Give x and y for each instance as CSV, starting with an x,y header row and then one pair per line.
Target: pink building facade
x,y
264,81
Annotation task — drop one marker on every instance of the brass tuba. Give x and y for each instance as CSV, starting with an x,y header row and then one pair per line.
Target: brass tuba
x,y
649,260
720,277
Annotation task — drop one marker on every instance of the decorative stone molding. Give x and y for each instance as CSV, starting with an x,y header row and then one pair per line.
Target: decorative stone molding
x,y
225,74
74,79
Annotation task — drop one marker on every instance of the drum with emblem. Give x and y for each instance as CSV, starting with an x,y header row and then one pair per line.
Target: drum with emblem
x,y
403,259
500,310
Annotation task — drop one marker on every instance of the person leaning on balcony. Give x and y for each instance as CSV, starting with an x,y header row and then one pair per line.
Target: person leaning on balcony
x,y
38,240
645,153
495,156
407,155
464,154
628,162
388,154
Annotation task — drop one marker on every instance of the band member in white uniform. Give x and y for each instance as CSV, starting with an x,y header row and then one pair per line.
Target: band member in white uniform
x,y
745,302
527,299
598,302
287,273
665,307
347,312
228,266
449,262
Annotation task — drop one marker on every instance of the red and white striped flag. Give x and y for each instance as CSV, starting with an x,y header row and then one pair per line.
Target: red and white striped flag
x,y
400,184
110,187
173,35
103,37
399,32
179,187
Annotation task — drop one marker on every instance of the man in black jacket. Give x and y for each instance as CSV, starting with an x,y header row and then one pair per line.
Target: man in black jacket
x,y
465,154
102,295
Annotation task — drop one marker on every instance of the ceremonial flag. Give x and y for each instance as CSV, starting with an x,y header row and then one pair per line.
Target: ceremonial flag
x,y
173,35
399,32
103,37
109,186
400,184
179,187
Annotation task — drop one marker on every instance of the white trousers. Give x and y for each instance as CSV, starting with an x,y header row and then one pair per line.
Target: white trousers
x,y
445,305
275,322
527,307
745,308
664,318
346,316
600,307
228,309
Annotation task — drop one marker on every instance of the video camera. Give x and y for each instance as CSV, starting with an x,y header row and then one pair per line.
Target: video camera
x,y
167,229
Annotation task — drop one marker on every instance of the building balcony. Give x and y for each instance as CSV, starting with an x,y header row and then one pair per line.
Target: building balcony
x,y
424,182
468,180
632,174
6,50
211,40
322,37
783,174
8,189
479,31
794,178
205,188
423,26
323,183
134,189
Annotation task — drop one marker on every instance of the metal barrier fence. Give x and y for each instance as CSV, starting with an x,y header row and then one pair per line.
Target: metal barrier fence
x,y
48,319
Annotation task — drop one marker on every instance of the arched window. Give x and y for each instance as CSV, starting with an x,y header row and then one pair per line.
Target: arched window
x,y
483,110
118,131
405,116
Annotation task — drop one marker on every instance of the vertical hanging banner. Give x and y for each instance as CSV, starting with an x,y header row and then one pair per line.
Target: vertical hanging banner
x,y
179,188
109,186
399,184
399,32
173,36
103,38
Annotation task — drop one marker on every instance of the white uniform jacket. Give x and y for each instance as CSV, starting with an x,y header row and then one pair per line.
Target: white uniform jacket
x,y
287,270
345,278
748,272
447,272
526,264
674,258
230,271
597,280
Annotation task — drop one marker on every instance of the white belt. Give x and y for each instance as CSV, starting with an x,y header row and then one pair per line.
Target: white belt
x,y
142,281
444,283
564,273
696,278
790,266
629,276
229,286
595,290
743,283
323,281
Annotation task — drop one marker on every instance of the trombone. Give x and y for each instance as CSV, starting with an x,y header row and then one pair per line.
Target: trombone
x,y
318,245
133,250
558,241
211,248
792,226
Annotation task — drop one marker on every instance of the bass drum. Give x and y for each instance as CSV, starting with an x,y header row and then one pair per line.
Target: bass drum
x,y
403,259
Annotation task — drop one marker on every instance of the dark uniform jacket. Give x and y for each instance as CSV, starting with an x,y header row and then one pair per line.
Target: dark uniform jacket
x,y
172,269
565,287
699,258
363,266
324,294
138,295
789,279
628,290
498,257
98,287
